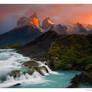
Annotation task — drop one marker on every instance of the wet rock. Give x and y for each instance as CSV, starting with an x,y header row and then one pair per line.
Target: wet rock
x,y
15,73
30,64
32,69
39,69
34,66
44,68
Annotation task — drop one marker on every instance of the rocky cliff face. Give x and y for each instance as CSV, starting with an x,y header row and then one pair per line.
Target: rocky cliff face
x,y
47,23
33,21
60,29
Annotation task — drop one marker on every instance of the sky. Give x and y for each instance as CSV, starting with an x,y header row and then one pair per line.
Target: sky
x,y
59,13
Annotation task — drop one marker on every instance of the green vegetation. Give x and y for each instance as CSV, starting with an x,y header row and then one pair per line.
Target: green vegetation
x,y
12,46
71,52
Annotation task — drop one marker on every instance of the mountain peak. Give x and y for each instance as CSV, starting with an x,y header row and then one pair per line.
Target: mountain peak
x,y
48,20
35,20
47,23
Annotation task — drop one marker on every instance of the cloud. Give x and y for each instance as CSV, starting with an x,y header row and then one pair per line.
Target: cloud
x,y
60,13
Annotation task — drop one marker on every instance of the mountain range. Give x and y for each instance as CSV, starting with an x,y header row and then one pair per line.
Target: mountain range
x,y
29,28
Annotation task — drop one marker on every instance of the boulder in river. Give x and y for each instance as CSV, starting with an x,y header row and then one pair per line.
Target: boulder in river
x,y
30,64
15,73
34,66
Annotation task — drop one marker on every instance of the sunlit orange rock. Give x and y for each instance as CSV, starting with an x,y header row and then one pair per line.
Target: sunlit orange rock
x,y
47,22
50,21
34,20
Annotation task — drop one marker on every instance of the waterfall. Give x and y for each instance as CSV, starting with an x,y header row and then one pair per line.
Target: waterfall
x,y
10,60
49,70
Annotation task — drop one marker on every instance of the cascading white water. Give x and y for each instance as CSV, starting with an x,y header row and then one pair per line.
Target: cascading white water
x,y
26,79
49,70
10,60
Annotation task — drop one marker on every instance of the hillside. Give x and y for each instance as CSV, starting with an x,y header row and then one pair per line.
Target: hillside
x,y
40,46
71,52
67,52
21,35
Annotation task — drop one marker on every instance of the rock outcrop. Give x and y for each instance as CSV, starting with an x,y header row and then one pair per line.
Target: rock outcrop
x,y
77,29
15,73
30,64
47,23
27,21
34,20
84,78
34,66
60,29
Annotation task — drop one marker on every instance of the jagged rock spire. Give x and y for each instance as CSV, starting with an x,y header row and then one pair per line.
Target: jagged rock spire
x,y
34,20
47,22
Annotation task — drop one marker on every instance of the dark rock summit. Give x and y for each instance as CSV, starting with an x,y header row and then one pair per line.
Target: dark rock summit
x,y
26,21
47,23
60,29
77,29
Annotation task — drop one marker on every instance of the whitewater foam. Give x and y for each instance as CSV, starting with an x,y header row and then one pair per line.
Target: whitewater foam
x,y
49,70
26,79
10,60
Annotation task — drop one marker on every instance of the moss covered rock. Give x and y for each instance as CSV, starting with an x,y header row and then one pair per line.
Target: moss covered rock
x,y
15,73
30,64
34,66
